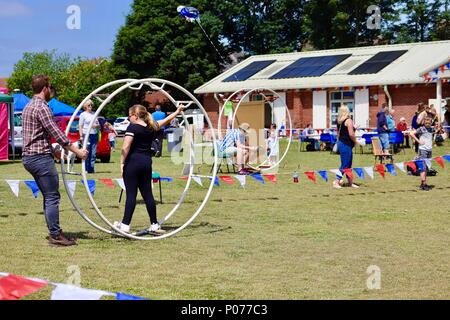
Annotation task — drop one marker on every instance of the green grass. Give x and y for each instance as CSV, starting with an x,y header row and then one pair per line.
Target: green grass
x,y
277,241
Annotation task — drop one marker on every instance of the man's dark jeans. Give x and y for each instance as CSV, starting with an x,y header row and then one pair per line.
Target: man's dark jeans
x,y
43,170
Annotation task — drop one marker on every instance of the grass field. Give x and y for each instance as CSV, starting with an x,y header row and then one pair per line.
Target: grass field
x,y
273,241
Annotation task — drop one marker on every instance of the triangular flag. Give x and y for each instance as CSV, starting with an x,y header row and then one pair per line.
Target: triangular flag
x,y
13,287
323,174
311,176
108,182
71,185
33,186
121,184
216,181
185,178
271,177
360,173
420,165
391,169
242,180
380,169
69,292
91,185
166,179
447,157
227,179
401,166
349,173
440,161
123,296
412,165
369,171
258,177
198,180
337,172
14,185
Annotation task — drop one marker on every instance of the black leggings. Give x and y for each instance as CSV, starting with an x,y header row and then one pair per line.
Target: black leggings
x,y
137,174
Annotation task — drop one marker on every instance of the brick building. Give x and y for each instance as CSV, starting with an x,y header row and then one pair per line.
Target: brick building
x,y
315,84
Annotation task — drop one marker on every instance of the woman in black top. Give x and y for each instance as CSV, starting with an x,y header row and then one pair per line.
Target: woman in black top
x,y
136,164
347,140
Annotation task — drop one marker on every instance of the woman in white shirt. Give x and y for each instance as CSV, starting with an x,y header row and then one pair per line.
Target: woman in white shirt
x,y
85,121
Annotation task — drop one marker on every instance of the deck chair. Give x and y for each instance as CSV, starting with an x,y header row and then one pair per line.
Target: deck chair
x,y
223,157
378,152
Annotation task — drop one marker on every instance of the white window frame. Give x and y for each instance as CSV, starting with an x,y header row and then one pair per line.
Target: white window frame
x,y
341,101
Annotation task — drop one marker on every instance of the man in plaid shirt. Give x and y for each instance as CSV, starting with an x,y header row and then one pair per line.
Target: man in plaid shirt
x,y
38,127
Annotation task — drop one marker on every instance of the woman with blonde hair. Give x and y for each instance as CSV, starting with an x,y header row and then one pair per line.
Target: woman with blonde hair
x,y
85,120
136,164
347,140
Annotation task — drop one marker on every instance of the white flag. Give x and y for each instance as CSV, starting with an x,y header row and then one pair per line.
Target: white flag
x,y
14,185
72,185
69,292
401,166
242,179
336,172
369,171
198,180
121,183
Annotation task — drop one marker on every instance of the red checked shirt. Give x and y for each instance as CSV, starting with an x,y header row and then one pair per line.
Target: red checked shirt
x,y
37,128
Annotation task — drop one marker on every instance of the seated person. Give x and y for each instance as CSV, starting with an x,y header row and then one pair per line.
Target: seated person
x,y
313,137
236,144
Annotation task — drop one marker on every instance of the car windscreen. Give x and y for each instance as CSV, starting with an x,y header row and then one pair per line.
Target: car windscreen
x,y
120,120
74,128
17,120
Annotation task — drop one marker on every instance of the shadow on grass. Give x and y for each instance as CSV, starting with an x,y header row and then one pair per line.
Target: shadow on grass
x,y
79,235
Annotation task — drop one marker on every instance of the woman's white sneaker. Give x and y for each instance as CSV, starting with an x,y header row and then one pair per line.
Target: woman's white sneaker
x,y
336,184
122,227
156,228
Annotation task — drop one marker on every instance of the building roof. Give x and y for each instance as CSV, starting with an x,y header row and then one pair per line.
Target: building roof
x,y
405,69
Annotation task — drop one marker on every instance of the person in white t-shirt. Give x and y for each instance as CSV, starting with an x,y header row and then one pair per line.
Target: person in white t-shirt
x,y
85,121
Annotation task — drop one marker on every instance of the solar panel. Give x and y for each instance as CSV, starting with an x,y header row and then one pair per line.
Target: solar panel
x,y
250,70
310,67
378,62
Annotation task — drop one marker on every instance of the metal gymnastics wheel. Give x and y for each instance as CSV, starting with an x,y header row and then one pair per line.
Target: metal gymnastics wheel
x,y
241,99
155,85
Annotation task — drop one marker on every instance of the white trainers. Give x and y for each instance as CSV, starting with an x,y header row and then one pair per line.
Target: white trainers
x,y
336,184
156,228
355,186
122,227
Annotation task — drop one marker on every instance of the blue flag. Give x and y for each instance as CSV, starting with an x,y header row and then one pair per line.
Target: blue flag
x,y
323,174
391,169
33,186
123,296
258,177
447,157
216,182
360,173
420,165
91,185
168,179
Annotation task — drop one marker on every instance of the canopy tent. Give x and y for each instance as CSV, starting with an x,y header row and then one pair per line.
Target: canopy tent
x,y
6,114
20,101
60,109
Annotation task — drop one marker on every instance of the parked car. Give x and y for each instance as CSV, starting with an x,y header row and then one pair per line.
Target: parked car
x,y
121,124
18,140
103,147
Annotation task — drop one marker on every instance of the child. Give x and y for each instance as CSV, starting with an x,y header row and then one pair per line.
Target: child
x,y
424,137
273,145
112,136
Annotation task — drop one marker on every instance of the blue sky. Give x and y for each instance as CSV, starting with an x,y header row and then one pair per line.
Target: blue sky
x,y
37,25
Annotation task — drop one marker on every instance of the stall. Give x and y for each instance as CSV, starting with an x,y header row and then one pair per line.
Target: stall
x,y
6,122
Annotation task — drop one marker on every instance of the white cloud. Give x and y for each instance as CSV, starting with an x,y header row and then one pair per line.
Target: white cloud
x,y
13,9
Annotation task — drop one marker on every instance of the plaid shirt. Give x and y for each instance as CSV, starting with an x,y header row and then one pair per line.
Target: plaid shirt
x,y
37,128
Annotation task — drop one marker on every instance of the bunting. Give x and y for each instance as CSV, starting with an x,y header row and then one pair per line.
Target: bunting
x,y
121,184
360,173
391,169
72,185
440,161
271,177
323,174
369,171
13,287
401,166
311,176
108,182
380,169
14,185
242,180
33,187
198,180
227,179
69,292
91,185
258,177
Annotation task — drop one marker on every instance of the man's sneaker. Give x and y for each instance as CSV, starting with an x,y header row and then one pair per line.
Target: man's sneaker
x,y
122,227
336,184
61,241
424,187
156,228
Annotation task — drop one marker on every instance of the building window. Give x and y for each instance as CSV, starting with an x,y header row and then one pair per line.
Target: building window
x,y
337,100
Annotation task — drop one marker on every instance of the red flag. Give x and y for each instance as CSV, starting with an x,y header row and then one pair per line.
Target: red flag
x,y
108,182
440,161
412,165
349,173
311,176
184,178
227,179
271,177
380,169
14,287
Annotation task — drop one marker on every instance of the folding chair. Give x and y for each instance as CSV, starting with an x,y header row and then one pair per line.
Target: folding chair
x,y
378,152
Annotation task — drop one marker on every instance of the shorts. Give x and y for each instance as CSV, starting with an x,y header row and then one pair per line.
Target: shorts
x,y
425,155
